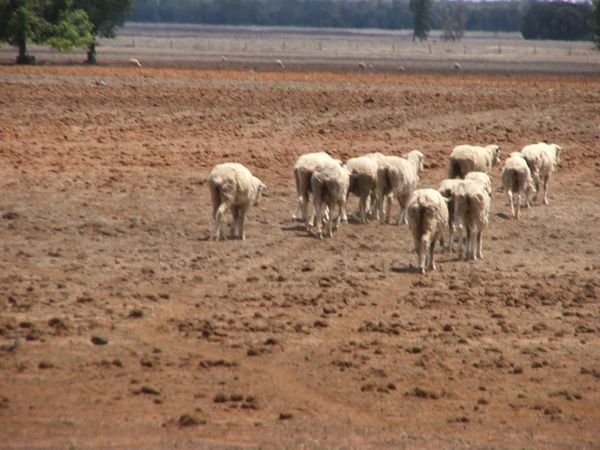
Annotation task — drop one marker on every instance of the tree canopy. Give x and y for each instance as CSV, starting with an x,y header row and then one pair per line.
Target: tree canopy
x,y
565,20
595,23
63,24
557,20
421,10
54,22
105,16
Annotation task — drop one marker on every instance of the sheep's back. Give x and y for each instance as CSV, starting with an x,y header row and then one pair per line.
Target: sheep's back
x,y
426,210
233,179
309,161
472,157
472,204
363,165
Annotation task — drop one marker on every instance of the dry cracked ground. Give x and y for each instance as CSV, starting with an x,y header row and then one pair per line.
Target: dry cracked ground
x,y
123,326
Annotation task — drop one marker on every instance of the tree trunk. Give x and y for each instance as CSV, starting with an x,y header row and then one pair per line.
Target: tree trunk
x,y
91,54
24,57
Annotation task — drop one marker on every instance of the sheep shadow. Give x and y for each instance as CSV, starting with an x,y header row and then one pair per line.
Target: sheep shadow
x,y
406,269
297,227
503,216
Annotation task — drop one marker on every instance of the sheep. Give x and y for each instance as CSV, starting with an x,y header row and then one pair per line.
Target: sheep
x,y
517,179
363,180
542,160
472,210
329,182
280,63
397,177
427,216
233,187
303,169
379,158
469,158
448,189
376,156
483,178
135,62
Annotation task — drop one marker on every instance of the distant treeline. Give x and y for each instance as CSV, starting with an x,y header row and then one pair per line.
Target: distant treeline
x,y
571,19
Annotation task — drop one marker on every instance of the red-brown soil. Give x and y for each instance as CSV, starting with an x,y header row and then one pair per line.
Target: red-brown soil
x,y
282,340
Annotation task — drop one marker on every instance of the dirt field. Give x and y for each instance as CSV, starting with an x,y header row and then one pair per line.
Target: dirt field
x,y
122,326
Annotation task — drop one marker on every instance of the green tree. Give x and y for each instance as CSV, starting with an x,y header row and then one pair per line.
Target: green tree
x,y
105,17
54,22
596,23
557,20
421,10
452,18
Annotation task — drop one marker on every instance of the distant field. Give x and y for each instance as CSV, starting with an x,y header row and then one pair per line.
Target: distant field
x,y
333,49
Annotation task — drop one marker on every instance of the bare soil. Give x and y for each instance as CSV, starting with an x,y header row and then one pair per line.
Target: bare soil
x,y
123,326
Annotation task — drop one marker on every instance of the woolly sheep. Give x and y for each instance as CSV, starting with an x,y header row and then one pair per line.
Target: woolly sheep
x,y
448,189
363,180
470,158
397,177
472,210
542,160
517,179
303,169
483,178
233,187
329,182
135,62
427,216
373,210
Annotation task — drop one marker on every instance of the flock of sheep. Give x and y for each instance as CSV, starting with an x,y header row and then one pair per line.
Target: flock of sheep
x,y
460,203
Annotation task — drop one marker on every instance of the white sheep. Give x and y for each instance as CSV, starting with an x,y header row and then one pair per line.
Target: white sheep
x,y
135,62
233,187
483,178
329,182
470,158
542,160
427,217
379,158
397,177
363,180
448,189
303,170
471,211
517,180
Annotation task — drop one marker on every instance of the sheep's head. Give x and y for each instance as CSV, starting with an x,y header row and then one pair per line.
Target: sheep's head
x,y
557,151
260,188
495,150
417,158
